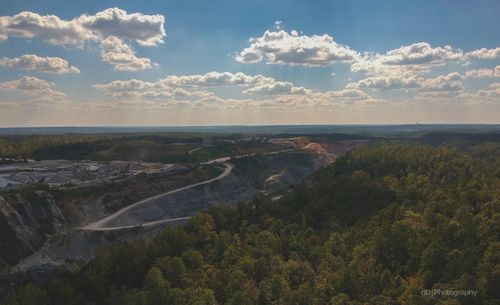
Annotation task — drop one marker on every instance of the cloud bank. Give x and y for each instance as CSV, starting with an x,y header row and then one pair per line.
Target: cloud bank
x,y
109,28
39,64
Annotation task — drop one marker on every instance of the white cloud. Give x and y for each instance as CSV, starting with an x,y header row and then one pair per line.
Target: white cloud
x,y
216,79
121,56
491,94
133,88
174,87
125,85
146,30
278,25
34,88
386,83
184,90
483,73
39,64
345,97
422,53
276,88
189,91
281,47
171,86
407,61
350,94
49,28
484,53
139,89
451,82
182,94
109,27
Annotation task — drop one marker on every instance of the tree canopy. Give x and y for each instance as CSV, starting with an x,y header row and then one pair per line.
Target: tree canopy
x,y
377,227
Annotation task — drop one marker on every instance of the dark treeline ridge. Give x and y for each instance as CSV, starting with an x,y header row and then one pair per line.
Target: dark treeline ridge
x,y
377,227
151,147
144,147
440,138
174,146
329,136
118,145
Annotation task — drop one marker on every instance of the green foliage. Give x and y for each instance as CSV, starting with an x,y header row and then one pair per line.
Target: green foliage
x,y
105,147
30,295
377,227
151,147
225,148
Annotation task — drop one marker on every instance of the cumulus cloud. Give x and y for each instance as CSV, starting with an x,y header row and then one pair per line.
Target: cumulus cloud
x,y
181,94
483,73
480,73
139,89
422,53
134,88
109,27
34,88
144,29
216,79
485,53
278,25
121,56
49,28
39,64
176,85
494,86
147,30
345,97
276,88
408,68
349,94
191,91
386,83
492,94
407,60
188,85
281,47
451,82
125,85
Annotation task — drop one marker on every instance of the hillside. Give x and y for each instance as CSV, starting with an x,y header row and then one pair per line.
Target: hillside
x,y
377,227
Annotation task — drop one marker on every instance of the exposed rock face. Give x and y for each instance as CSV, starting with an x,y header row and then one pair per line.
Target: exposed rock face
x,y
26,220
249,176
32,220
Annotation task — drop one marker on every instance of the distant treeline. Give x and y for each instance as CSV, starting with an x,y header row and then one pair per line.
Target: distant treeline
x,y
439,138
154,147
133,147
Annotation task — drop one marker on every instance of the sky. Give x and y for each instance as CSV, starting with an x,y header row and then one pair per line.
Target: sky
x,y
198,62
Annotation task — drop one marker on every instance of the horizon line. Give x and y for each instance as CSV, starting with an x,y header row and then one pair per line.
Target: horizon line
x,y
247,125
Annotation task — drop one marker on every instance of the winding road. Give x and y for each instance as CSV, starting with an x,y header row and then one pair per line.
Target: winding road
x,y
100,224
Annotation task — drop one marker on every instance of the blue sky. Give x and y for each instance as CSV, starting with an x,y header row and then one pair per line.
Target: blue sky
x,y
444,84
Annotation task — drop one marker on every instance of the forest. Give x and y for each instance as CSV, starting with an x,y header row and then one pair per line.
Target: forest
x,y
150,147
378,226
